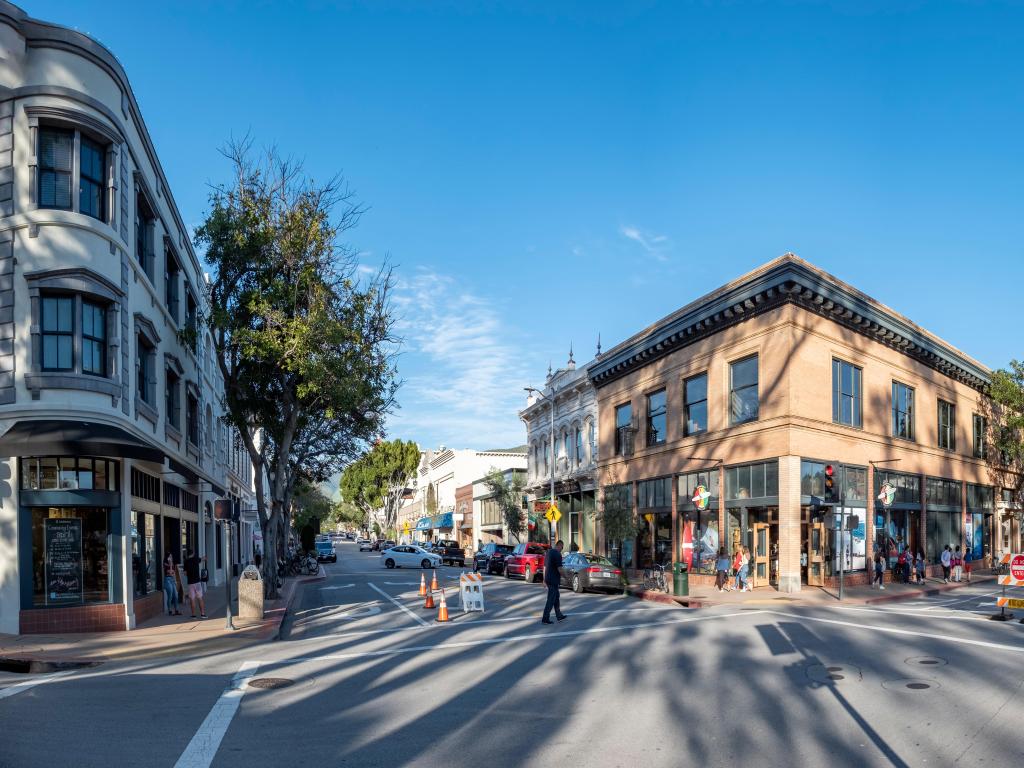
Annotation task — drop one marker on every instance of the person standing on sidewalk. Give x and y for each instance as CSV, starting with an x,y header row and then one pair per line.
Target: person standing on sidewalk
x,y
958,564
879,571
552,577
721,569
946,559
968,557
193,565
170,587
744,573
919,565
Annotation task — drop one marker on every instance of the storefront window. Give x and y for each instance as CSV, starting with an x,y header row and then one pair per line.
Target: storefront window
x,y
752,481
943,530
698,534
50,473
70,555
618,504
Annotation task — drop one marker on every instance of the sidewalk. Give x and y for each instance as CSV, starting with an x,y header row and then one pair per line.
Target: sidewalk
x,y
162,635
702,596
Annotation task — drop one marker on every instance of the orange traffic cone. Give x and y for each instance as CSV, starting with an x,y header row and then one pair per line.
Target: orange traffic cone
x,y
442,611
429,602
423,585
433,583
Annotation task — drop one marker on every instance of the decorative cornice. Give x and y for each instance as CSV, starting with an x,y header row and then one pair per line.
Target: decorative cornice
x,y
787,280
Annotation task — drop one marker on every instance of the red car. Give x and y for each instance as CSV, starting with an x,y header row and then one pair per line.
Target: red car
x,y
526,560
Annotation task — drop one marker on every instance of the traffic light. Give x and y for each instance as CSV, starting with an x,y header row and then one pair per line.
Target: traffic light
x,y
831,496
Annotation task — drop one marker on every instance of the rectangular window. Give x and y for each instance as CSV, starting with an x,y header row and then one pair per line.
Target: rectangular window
x,y
695,405
70,556
58,333
172,400
145,376
94,339
56,149
192,419
980,432
145,222
743,390
656,417
902,411
752,481
846,393
579,446
92,158
191,319
172,279
947,425
623,422
654,494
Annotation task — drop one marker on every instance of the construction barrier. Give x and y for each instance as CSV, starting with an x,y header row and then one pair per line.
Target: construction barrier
x,y
471,588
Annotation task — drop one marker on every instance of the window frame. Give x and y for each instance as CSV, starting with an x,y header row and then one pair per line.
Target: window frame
x,y
979,447
92,340
43,333
733,390
688,404
910,413
42,169
856,397
87,142
622,407
947,431
652,432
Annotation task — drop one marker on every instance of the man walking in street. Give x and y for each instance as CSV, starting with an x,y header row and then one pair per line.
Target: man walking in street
x,y
552,576
195,586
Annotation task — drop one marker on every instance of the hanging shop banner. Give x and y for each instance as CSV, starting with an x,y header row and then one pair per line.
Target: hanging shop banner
x,y
63,536
444,520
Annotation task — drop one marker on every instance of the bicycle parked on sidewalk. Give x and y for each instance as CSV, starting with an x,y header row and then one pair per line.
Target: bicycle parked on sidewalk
x,y
654,578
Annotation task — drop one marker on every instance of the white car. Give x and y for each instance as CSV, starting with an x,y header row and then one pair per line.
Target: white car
x,y
409,556
364,545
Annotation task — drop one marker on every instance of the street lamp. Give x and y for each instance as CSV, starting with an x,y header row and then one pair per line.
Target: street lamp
x,y
551,442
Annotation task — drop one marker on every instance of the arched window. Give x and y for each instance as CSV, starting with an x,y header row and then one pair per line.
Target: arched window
x,y
579,446
592,440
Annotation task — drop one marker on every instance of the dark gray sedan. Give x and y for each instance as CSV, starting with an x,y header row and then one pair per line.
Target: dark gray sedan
x,y
581,572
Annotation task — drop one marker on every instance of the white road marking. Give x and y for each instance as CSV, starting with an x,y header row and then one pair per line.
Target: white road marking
x,y
13,690
339,586
916,633
393,600
512,639
204,744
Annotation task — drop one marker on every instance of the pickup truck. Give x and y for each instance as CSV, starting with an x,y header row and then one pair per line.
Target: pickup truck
x,y
526,560
450,552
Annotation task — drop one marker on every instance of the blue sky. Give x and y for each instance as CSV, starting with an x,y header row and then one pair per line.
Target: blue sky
x,y
542,172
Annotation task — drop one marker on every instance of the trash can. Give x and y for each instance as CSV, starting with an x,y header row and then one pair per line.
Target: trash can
x,y
680,580
250,594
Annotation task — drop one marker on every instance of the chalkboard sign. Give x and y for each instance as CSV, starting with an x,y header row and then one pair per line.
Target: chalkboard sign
x,y
63,560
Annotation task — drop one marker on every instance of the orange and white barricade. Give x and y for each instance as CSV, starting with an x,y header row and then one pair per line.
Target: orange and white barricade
x,y
471,587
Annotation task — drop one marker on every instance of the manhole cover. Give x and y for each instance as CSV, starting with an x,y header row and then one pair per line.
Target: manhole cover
x,y
926,661
910,684
830,673
270,682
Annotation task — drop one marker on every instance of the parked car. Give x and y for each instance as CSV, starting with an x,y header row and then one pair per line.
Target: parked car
x,y
325,551
491,559
364,545
450,552
581,572
409,556
526,560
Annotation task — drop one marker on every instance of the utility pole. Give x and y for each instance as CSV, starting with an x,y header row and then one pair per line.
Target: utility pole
x,y
227,576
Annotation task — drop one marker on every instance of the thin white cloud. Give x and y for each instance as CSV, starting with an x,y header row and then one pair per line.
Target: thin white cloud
x,y
461,369
654,245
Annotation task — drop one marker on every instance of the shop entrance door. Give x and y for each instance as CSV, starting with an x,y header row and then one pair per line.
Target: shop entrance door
x,y
816,555
762,550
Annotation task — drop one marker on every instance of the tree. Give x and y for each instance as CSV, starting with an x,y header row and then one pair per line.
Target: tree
x,y
310,506
348,514
1004,410
304,345
616,515
431,500
508,494
378,480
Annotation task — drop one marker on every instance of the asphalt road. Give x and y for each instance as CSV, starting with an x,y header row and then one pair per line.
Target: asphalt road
x,y
372,680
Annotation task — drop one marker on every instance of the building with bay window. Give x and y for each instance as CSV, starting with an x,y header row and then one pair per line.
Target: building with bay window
x,y
111,445
726,420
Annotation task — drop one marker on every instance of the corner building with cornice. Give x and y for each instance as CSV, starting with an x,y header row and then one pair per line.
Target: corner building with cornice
x,y
112,449
719,422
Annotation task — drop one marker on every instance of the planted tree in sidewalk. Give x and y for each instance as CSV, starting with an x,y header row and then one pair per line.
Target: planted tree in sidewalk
x,y
616,518
508,495
1004,412
302,339
310,506
378,480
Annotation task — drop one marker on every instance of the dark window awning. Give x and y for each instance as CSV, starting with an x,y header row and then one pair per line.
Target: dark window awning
x,y
60,437
192,475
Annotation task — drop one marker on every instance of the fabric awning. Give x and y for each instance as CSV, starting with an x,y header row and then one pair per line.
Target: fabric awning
x,y
444,520
423,524
60,437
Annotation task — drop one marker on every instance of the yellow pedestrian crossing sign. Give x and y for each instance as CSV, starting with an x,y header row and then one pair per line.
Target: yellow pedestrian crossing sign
x,y
553,515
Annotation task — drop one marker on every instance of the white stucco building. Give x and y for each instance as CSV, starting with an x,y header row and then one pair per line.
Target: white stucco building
x,y
111,446
574,455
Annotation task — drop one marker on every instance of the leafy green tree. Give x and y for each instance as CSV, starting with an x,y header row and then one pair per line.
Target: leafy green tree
x,y
616,516
377,481
1004,409
348,514
304,344
508,494
431,500
310,506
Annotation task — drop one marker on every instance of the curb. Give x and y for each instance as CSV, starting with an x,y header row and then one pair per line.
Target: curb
x,y
277,621
938,589
664,599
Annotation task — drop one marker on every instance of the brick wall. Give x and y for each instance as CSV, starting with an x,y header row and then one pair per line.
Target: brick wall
x,y
148,606
82,618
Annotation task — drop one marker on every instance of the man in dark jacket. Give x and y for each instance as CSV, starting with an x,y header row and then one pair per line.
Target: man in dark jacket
x,y
552,576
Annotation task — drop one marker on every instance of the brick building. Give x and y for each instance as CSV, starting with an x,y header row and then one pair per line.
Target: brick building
x,y
747,394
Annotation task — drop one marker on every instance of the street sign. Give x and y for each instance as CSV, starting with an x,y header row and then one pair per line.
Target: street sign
x,y
1017,567
553,515
541,506
1009,602
887,495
